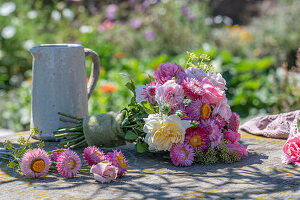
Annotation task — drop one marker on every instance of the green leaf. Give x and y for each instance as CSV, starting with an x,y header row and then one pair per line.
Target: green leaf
x,y
151,78
298,124
130,135
147,107
140,147
130,85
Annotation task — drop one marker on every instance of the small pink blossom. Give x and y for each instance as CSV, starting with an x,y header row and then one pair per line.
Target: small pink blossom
x,y
170,93
223,110
234,122
193,111
232,137
237,148
104,172
146,92
182,155
215,135
167,71
292,151
197,137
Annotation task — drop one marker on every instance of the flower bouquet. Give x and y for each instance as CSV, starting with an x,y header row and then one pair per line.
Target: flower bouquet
x,y
181,110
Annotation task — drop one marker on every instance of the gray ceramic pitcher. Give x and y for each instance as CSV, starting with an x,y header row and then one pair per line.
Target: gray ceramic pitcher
x,y
59,84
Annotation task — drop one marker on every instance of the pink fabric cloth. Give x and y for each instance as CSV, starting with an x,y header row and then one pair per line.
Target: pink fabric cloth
x,y
273,126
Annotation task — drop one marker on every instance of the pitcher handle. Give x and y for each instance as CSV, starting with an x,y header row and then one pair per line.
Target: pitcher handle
x,y
94,72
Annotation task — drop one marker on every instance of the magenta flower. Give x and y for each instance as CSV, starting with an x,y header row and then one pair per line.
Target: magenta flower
x,y
168,71
35,163
232,137
292,151
223,110
146,92
135,23
68,164
92,155
219,121
170,92
177,107
118,160
217,80
55,154
104,172
197,137
111,11
149,34
234,122
182,155
215,135
238,149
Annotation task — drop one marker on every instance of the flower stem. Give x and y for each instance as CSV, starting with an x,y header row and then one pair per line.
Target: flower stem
x,y
69,120
68,134
78,144
70,116
72,129
74,139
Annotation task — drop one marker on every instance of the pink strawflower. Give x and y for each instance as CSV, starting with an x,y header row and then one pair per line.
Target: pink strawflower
x,y
167,71
35,163
104,172
238,149
197,137
193,88
193,111
292,151
146,92
196,73
169,93
118,160
182,155
234,122
223,110
55,154
68,164
232,137
215,135
93,155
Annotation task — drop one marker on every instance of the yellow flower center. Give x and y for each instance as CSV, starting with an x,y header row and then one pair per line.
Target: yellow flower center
x,y
196,85
205,111
72,163
184,152
238,126
121,161
38,165
98,153
196,141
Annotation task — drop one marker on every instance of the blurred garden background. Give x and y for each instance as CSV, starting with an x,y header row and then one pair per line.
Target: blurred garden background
x,y
253,43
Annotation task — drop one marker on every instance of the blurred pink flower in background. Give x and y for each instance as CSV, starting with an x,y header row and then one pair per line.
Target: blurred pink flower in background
x,y
106,25
149,34
111,11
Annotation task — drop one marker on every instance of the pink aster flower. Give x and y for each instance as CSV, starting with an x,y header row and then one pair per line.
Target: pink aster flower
x,y
177,107
238,149
223,110
196,73
219,121
92,155
292,151
170,93
193,111
234,122
68,164
35,163
104,172
197,137
55,154
118,160
167,71
182,155
215,135
232,137
146,92
193,88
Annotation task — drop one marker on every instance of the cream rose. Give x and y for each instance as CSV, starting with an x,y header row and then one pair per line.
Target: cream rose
x,y
163,132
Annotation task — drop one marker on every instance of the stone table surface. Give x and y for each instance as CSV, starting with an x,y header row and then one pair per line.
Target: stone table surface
x,y
261,175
